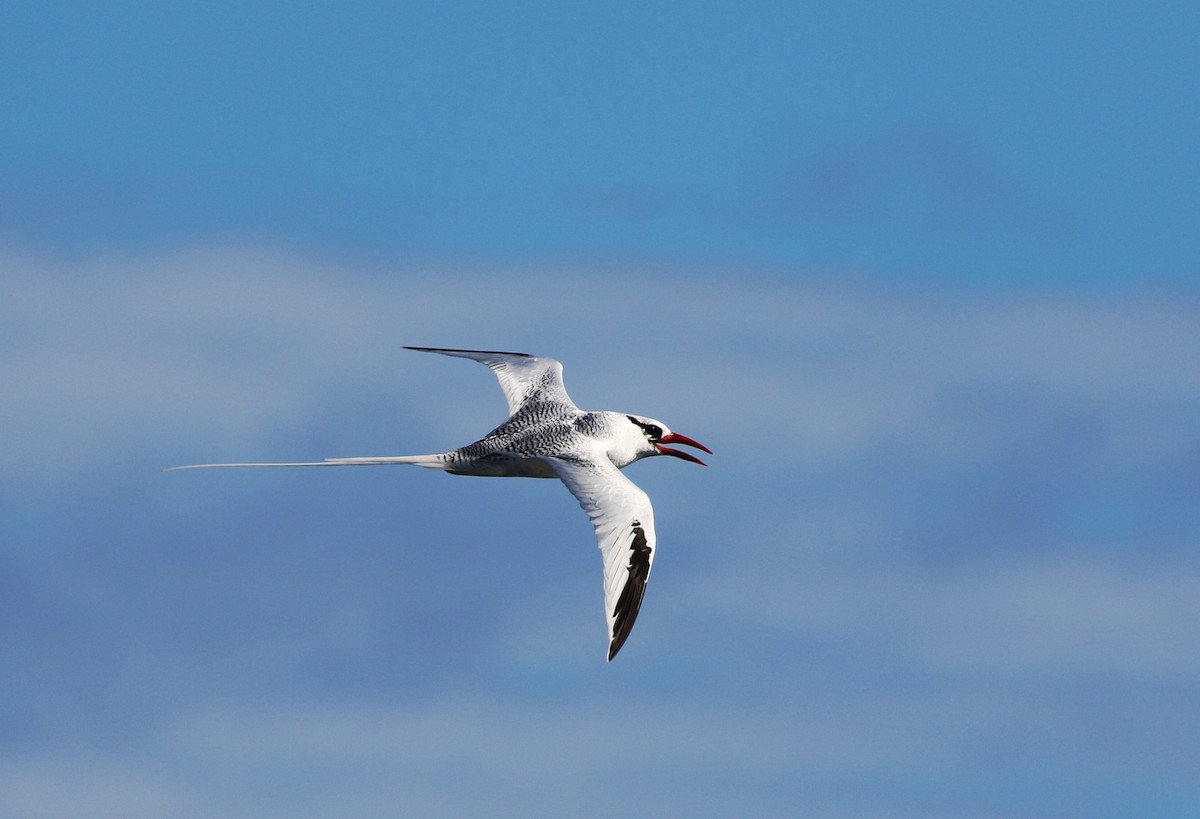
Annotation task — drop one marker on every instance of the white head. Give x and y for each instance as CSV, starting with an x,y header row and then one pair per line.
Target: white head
x,y
648,437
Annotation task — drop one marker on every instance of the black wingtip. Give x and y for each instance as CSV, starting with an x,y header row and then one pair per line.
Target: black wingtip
x,y
454,350
630,602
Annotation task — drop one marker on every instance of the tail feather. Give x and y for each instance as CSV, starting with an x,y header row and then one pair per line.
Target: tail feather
x,y
427,461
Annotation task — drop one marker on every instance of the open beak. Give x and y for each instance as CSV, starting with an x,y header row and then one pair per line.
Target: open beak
x,y
676,438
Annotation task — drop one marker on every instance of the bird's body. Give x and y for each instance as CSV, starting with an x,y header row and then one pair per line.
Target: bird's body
x,y
547,436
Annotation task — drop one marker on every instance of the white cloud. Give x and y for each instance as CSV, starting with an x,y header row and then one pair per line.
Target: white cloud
x,y
211,343
1045,615
101,785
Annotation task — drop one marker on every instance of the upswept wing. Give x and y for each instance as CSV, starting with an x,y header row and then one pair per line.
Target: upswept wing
x,y
523,377
624,521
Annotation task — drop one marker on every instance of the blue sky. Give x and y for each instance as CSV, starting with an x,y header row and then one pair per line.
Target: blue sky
x,y
1041,141
923,277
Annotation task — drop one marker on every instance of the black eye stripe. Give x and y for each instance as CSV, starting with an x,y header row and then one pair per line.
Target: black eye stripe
x,y
654,431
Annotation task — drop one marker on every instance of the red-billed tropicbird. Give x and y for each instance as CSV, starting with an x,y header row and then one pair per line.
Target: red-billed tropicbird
x,y
547,436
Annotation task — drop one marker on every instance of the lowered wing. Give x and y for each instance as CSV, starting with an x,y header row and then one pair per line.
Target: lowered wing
x,y
624,521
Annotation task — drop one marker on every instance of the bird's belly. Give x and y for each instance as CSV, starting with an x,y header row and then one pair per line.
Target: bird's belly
x,y
503,466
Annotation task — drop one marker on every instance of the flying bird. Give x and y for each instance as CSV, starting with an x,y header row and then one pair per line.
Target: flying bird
x,y
547,436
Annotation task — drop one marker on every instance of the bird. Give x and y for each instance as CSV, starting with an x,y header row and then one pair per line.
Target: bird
x,y
547,436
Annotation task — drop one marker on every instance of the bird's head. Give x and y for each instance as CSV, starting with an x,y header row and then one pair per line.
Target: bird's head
x,y
655,434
